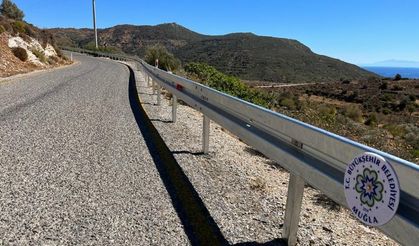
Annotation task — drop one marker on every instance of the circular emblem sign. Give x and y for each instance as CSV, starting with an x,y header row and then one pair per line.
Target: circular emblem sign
x,y
372,189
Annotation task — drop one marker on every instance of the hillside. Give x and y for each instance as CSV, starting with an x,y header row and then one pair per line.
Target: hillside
x,y
246,55
25,48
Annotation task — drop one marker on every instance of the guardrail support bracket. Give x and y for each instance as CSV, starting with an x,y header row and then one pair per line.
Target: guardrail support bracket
x,y
293,209
205,135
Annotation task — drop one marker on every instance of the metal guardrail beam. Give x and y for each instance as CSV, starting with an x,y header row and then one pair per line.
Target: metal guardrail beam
x,y
309,153
321,161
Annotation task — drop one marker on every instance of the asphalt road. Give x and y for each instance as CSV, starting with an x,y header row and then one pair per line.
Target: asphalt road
x,y
74,166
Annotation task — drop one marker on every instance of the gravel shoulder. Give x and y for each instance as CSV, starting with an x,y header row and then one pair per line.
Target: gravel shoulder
x,y
245,192
75,169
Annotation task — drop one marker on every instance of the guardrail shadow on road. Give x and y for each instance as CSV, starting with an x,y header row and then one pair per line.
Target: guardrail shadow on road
x,y
199,226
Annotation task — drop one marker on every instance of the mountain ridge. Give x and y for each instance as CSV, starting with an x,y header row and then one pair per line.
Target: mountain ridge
x,y
245,55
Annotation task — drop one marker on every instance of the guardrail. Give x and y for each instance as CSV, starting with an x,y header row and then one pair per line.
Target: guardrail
x,y
311,155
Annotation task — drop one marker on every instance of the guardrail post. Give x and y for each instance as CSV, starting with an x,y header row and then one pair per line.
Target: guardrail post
x,y
158,88
174,108
293,209
205,135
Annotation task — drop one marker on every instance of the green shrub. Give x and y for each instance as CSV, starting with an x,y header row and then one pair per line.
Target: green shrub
x,y
387,97
166,60
211,77
397,77
40,55
288,103
412,107
372,120
383,86
92,46
396,130
397,88
412,135
353,97
353,112
19,27
20,53
2,29
10,10
415,153
387,111
327,110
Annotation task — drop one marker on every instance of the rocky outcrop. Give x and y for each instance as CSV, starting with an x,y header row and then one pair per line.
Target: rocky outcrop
x,y
24,48
37,54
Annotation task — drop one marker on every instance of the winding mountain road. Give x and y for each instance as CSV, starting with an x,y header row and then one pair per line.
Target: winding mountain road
x,y
74,167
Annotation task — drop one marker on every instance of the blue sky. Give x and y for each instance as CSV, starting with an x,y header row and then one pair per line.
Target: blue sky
x,y
357,31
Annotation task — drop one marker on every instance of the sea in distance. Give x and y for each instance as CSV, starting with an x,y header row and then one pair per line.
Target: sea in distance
x,y
405,72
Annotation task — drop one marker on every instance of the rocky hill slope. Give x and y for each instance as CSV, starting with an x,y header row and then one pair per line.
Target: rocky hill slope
x,y
246,55
25,48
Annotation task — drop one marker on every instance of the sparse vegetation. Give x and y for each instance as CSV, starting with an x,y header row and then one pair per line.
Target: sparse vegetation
x,y
18,27
412,135
10,10
20,53
327,112
103,49
385,112
384,86
257,183
344,114
353,112
231,85
166,60
288,103
40,55
346,81
372,120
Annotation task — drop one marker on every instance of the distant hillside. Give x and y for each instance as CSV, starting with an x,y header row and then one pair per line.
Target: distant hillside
x,y
393,63
246,55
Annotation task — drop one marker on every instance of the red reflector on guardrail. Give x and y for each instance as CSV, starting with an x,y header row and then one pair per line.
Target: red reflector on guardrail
x,y
179,87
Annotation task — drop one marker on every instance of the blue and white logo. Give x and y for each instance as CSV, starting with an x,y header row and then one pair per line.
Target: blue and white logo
x,y
372,189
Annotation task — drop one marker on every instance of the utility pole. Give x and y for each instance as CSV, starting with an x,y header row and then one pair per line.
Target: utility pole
x,y
94,23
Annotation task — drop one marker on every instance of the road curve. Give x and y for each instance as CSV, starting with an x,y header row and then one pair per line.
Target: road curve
x,y
74,166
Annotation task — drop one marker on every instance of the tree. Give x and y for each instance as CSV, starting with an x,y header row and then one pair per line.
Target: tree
x,y
166,60
10,10
397,77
